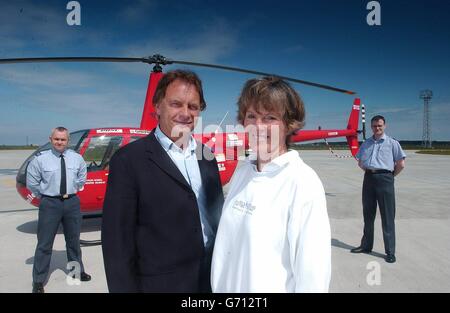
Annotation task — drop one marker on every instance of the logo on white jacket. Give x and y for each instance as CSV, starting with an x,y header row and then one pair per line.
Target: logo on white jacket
x,y
244,207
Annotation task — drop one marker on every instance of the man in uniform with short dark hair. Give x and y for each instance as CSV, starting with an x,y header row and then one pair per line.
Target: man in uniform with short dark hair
x,y
382,158
55,176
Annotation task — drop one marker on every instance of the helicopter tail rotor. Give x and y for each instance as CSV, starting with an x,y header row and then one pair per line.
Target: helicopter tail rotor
x,y
363,121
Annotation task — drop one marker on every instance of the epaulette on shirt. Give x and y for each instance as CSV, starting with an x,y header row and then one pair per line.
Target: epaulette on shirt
x,y
42,152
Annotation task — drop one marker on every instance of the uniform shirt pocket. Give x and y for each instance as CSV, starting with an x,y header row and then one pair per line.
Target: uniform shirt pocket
x,y
366,155
49,171
385,153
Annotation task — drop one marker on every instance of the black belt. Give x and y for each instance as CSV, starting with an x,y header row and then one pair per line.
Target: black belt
x,y
378,171
63,197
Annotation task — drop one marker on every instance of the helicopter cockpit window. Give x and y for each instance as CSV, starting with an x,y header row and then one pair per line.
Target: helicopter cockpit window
x,y
75,139
99,152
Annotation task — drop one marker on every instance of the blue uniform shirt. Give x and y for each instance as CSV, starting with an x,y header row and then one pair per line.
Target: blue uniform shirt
x,y
186,161
380,154
44,173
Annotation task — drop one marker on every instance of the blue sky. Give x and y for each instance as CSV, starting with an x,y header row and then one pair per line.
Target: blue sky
x,y
323,41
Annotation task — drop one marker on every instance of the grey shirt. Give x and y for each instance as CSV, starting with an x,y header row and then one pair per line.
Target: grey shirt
x,y
44,173
380,154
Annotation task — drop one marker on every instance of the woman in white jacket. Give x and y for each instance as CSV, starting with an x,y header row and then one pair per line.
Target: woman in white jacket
x,y
274,233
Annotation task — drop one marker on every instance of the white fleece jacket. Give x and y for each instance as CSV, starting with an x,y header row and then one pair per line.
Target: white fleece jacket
x,y
274,233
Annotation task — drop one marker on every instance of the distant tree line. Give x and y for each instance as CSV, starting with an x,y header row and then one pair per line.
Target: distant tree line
x,y
342,145
18,147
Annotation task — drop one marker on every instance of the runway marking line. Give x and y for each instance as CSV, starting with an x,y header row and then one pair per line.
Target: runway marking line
x,y
8,182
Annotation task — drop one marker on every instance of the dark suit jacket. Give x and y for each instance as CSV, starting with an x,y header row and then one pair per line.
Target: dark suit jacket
x,y
151,232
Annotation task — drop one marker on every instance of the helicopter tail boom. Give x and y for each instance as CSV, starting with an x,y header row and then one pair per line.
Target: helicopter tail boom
x,y
351,133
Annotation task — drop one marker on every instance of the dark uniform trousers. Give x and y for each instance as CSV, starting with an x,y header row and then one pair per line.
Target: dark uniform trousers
x,y
379,188
52,212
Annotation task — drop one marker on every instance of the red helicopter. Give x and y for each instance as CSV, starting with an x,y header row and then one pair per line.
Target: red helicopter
x,y
99,144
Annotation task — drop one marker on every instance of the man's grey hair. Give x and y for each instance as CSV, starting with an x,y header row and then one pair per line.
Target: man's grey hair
x,y
60,129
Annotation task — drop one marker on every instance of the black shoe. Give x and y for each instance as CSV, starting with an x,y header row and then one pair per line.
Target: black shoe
x,y
390,258
38,288
85,277
360,250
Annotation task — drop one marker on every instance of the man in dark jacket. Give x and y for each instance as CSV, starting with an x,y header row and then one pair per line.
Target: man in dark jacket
x,y
163,200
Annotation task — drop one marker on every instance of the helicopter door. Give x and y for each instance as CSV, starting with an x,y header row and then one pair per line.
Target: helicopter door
x,y
97,156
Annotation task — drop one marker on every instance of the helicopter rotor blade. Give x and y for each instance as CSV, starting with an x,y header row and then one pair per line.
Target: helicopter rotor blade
x,y
236,69
73,59
161,60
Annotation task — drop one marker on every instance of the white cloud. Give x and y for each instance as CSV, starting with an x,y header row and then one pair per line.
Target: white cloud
x,y
34,28
38,98
389,109
215,40
79,110
102,106
441,111
403,122
49,76
137,10
34,21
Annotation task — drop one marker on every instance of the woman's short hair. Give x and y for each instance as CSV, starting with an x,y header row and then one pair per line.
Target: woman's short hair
x,y
274,95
